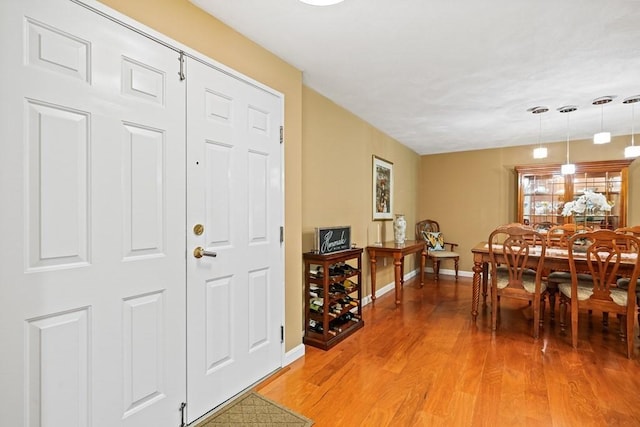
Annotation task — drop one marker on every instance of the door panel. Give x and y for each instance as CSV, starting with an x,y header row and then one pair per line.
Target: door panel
x,y
92,250
58,350
57,181
234,190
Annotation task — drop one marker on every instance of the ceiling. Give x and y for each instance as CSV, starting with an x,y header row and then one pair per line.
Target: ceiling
x,y
457,75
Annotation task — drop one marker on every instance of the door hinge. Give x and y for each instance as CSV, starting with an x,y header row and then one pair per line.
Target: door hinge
x,y
181,72
281,134
183,405
281,234
281,334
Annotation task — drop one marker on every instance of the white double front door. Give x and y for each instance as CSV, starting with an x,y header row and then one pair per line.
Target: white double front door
x,y
107,161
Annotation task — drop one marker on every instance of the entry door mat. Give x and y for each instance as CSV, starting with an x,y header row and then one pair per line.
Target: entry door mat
x,y
253,410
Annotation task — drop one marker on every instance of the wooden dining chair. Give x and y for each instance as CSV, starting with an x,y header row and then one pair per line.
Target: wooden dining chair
x,y
512,276
543,227
429,231
605,253
633,230
558,237
623,282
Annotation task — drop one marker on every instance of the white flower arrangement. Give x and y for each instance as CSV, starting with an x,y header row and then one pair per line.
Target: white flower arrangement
x,y
589,202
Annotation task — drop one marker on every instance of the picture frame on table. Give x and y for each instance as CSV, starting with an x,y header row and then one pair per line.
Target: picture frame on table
x,y
382,182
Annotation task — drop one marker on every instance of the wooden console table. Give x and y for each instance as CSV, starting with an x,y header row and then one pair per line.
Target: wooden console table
x,y
397,252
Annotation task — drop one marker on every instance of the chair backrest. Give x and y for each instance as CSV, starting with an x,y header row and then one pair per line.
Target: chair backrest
x,y
543,227
558,235
634,230
605,251
511,245
427,225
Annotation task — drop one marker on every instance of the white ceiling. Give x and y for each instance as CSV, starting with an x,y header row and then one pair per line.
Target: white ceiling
x,y
455,75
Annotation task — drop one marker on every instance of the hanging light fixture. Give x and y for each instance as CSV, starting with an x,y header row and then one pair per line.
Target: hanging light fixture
x,y
568,168
632,150
321,2
539,152
602,137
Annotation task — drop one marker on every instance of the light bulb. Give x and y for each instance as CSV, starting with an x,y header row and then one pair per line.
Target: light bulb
x,y
540,153
568,168
632,151
602,138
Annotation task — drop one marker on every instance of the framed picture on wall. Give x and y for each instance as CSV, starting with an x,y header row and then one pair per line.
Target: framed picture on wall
x,y
382,189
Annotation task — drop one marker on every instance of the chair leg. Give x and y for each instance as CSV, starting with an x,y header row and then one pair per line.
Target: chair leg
x,y
563,315
436,268
494,308
542,307
573,307
552,291
456,260
536,318
622,326
630,321
637,308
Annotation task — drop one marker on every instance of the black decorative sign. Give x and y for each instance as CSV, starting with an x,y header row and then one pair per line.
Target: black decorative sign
x,y
332,239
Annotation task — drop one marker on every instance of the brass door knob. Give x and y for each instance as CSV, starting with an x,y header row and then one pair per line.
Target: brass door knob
x,y
199,252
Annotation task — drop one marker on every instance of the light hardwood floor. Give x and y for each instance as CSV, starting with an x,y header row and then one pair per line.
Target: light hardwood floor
x,y
425,363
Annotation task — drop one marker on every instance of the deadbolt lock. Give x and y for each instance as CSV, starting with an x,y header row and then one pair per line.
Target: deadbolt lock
x,y
198,229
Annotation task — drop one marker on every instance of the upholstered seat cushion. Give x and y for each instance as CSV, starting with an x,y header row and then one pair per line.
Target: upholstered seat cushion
x,y
442,254
623,283
618,296
565,275
528,280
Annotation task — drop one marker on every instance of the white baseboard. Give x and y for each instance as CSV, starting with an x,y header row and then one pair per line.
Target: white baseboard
x,y
389,287
293,355
448,272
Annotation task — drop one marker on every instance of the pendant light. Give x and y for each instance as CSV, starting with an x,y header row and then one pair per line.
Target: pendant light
x,y
602,137
568,168
632,150
539,152
321,2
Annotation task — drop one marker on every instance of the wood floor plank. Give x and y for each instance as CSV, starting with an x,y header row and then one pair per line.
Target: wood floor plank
x,y
425,363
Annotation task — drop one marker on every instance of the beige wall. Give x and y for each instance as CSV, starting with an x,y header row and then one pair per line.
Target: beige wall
x,y
337,161
470,193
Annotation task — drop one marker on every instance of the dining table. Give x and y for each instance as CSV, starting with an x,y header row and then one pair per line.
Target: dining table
x,y
555,259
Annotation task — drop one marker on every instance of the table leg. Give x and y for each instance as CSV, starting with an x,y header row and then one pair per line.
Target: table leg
x,y
477,269
373,276
397,262
485,281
